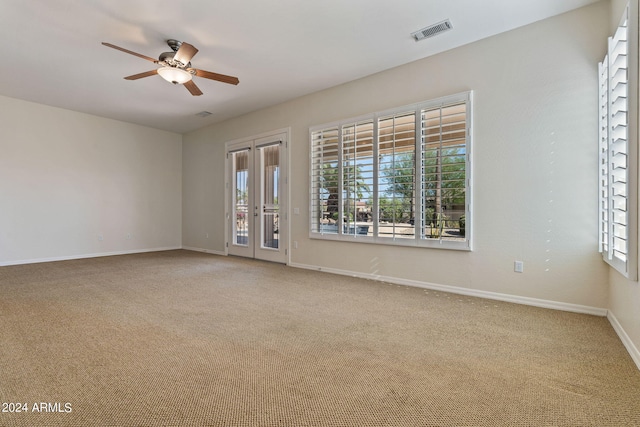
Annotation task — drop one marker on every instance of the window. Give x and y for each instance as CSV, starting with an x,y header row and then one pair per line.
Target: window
x,y
615,195
395,177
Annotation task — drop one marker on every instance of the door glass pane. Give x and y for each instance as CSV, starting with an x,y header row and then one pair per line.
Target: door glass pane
x,y
241,197
270,170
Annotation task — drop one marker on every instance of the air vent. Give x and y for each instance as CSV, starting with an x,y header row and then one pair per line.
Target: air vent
x,y
432,30
203,114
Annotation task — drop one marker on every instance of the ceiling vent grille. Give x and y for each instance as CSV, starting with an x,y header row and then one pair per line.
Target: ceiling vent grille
x,y
432,30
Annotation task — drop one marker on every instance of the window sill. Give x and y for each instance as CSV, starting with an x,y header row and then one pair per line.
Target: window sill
x,y
463,245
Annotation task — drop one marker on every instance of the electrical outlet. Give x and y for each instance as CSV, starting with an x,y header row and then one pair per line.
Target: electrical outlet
x,y
295,244
518,266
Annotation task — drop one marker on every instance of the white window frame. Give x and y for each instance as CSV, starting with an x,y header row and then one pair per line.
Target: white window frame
x,y
618,165
416,241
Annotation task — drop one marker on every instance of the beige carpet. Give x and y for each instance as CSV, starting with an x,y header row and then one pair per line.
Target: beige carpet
x,y
180,338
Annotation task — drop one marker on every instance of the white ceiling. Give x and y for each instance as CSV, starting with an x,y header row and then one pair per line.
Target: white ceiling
x,y
279,49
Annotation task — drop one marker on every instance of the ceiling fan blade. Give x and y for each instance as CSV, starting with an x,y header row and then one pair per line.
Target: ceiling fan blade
x,y
130,52
215,76
141,75
191,87
185,53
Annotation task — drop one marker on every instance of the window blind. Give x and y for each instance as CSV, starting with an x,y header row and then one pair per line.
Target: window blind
x,y
324,179
396,188
443,168
394,177
358,174
614,150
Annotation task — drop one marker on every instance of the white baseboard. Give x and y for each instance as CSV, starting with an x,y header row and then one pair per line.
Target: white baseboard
x,y
629,345
575,308
206,251
82,256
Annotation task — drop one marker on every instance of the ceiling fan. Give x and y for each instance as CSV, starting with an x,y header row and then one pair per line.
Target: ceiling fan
x,y
175,66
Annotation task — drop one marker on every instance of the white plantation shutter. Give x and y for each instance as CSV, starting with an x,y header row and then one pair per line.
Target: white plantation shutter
x,y
614,151
444,164
357,174
324,178
396,160
398,177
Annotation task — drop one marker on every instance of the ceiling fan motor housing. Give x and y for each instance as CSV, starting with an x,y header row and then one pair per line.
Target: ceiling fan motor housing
x,y
174,44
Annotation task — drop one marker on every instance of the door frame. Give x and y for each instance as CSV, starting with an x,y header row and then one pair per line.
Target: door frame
x,y
283,135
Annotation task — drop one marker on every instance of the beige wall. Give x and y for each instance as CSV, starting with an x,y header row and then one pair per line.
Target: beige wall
x,y
67,177
624,295
535,133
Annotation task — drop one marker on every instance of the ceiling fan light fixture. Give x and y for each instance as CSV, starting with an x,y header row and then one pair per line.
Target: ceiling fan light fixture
x,y
174,75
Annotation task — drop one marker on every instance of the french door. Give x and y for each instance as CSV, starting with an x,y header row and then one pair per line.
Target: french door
x,y
257,198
